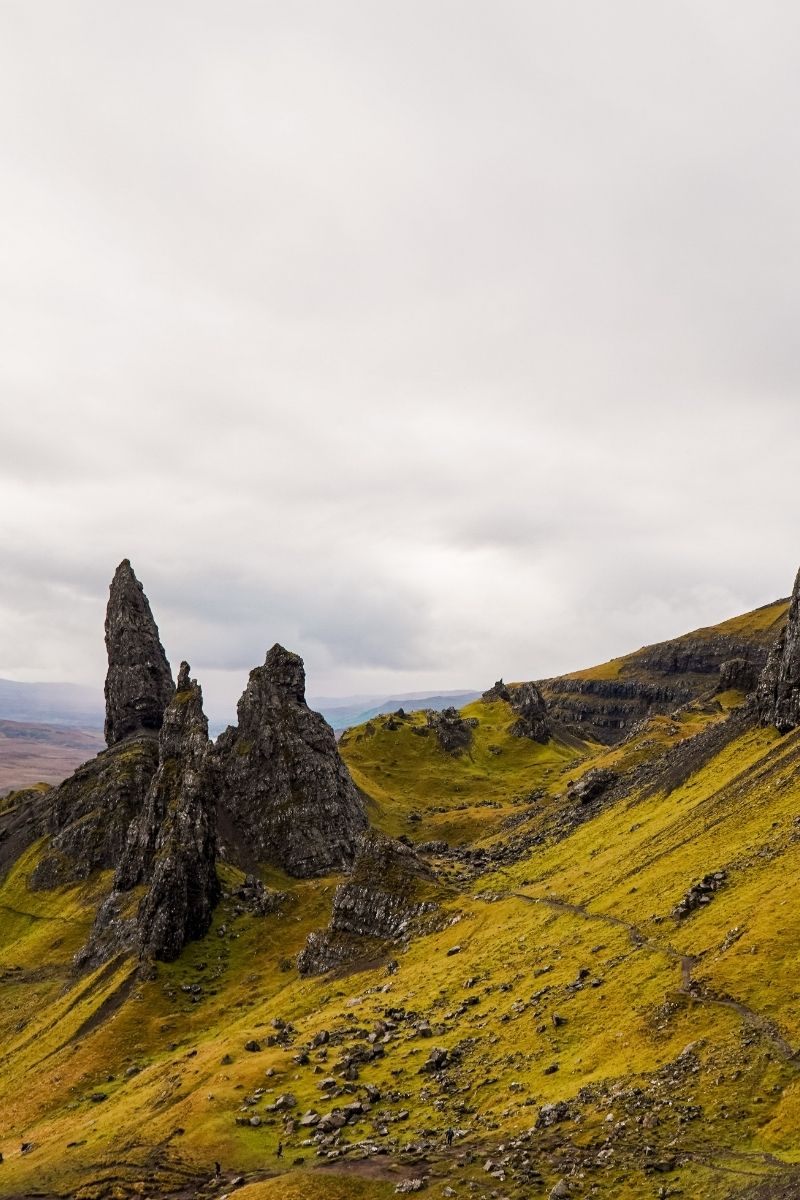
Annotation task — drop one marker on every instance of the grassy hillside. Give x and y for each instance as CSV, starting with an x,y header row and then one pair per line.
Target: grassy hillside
x,y
591,1035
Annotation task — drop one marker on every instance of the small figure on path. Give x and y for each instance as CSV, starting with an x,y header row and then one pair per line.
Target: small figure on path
x,y
279,1151
448,1137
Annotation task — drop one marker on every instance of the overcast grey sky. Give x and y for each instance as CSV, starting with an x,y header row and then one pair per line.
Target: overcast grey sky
x,y
438,340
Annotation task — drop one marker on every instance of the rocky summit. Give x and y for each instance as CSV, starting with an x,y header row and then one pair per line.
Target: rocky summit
x,y
544,945
139,680
285,793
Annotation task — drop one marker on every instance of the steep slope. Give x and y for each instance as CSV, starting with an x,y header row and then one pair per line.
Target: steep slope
x,y
603,1002
605,702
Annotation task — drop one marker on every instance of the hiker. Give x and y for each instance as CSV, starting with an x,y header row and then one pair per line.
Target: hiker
x,y
279,1152
217,1170
448,1137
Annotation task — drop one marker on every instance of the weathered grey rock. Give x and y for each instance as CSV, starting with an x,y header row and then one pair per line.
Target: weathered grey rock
x,y
778,691
593,784
285,792
89,814
528,703
139,681
171,846
737,674
389,889
453,732
174,839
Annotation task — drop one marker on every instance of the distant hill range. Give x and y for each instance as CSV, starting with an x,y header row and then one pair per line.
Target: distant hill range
x,y
52,704
347,711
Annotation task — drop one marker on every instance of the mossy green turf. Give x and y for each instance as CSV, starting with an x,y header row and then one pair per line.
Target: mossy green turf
x,y
597,900
461,796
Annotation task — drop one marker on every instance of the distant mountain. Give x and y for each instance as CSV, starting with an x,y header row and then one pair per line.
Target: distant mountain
x,y
355,710
51,704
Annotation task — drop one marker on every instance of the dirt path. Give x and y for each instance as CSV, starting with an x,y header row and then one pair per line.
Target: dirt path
x,y
689,987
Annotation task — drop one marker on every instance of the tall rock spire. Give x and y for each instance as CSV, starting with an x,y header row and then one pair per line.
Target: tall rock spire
x,y
139,680
778,691
283,784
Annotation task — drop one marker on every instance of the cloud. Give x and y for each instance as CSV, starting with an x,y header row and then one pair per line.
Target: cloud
x,y
439,342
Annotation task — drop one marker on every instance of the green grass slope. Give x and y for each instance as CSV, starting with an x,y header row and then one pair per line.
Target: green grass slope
x,y
669,1048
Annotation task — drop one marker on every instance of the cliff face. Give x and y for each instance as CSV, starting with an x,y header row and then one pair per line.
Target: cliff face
x,y
376,906
778,691
607,702
170,845
283,787
139,680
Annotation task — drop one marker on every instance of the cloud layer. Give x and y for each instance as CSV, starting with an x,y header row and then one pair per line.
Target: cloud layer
x,y
438,340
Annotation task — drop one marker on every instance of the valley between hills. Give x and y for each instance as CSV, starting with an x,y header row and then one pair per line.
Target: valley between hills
x,y
545,945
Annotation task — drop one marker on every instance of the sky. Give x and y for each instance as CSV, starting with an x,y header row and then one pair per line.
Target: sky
x,y
436,339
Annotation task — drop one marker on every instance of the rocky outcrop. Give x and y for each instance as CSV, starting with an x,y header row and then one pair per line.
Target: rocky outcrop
x,y
285,794
592,784
737,674
530,706
388,891
139,681
453,732
778,691
170,846
88,816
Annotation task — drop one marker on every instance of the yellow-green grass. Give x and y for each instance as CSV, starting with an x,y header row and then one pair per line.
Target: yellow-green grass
x,y
460,796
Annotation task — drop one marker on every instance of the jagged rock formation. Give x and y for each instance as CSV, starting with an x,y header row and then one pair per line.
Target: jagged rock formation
x,y
778,692
530,706
88,816
285,794
171,846
387,891
453,732
139,680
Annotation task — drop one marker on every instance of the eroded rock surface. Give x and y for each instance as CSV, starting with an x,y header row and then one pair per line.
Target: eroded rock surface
x,y
530,706
453,732
89,814
139,681
389,889
778,692
285,791
170,846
